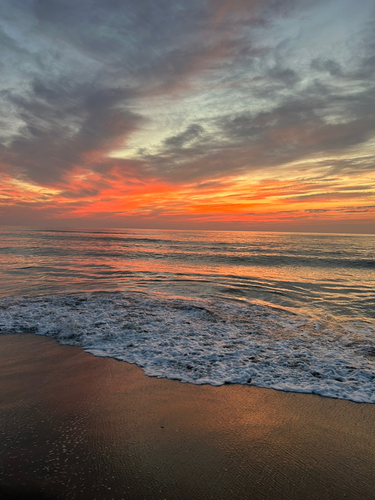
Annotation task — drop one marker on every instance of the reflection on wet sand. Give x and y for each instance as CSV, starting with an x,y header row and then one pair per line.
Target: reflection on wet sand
x,y
75,426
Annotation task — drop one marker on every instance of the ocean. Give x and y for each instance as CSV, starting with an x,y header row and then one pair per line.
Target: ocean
x,y
288,311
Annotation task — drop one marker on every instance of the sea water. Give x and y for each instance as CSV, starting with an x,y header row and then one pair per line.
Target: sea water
x,y
293,312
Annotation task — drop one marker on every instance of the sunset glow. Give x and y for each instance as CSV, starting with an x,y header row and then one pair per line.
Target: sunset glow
x,y
208,115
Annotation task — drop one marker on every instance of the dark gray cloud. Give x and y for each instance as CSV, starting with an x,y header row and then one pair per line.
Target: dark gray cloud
x,y
62,124
332,67
190,134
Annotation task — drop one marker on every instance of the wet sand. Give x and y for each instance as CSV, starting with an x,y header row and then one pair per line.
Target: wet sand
x,y
73,426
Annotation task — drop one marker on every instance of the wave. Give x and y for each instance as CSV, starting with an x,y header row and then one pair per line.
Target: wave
x,y
249,260
207,342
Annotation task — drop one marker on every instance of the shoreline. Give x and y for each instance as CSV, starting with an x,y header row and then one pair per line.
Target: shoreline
x,y
84,427
202,341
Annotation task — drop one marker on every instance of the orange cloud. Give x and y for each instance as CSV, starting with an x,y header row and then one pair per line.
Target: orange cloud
x,y
124,191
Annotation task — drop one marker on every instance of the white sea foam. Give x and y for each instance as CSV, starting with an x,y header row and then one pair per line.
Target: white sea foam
x,y
207,342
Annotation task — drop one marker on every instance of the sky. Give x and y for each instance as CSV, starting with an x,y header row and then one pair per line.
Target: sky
x,y
193,114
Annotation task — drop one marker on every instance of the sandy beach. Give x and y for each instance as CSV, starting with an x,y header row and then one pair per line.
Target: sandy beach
x,y
74,426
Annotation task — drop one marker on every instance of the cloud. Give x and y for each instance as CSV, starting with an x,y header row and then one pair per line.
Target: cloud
x,y
328,65
315,122
65,126
187,95
190,134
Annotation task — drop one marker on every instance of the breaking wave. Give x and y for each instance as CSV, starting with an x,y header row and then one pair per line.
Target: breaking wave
x,y
207,341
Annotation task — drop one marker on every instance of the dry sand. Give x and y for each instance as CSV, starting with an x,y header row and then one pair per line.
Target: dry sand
x,y
78,427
